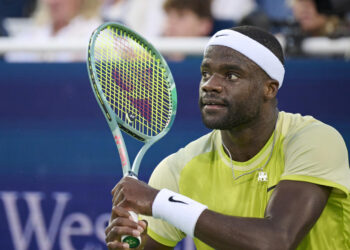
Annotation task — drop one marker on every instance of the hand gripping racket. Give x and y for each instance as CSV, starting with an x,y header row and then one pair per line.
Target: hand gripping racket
x,y
135,89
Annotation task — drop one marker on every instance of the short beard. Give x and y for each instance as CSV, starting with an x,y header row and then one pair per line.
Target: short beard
x,y
233,119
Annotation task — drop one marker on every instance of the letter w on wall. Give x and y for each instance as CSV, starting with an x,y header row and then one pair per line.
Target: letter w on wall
x,y
35,223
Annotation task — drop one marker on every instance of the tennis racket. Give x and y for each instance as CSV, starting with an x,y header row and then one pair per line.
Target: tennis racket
x,y
135,89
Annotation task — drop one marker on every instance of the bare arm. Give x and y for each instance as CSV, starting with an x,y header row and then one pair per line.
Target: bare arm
x,y
292,211
121,223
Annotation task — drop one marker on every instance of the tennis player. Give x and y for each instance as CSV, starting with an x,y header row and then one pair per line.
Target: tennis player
x,y
262,179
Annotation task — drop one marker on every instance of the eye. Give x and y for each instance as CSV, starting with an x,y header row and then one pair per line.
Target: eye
x,y
205,75
231,76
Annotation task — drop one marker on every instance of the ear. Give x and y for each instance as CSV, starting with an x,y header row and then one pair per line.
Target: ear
x,y
270,89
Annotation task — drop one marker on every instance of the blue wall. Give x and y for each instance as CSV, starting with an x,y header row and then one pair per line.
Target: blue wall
x,y
58,160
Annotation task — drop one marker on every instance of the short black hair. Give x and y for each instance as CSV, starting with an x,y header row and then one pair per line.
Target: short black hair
x,y
263,37
202,8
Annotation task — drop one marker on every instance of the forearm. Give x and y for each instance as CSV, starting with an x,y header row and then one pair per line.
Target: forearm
x,y
293,209
228,232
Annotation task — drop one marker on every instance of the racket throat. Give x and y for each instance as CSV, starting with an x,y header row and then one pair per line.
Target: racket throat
x,y
136,164
132,174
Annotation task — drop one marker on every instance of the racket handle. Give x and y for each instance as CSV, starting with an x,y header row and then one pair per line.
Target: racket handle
x,y
132,240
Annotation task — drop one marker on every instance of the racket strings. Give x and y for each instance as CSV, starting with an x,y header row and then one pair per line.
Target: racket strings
x,y
133,81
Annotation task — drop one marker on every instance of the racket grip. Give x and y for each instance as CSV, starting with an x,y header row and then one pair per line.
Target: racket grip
x,y
133,241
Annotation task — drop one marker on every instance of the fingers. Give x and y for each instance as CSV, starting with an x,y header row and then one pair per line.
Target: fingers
x,y
135,195
120,216
120,184
115,245
120,225
117,197
116,231
143,224
116,188
123,224
119,212
117,191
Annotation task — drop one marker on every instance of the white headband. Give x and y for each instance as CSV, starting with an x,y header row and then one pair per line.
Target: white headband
x,y
252,49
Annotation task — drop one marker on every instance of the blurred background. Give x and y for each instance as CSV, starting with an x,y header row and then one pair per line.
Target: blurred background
x,y
58,160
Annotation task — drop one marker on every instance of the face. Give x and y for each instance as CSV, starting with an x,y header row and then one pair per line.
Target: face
x,y
231,89
305,12
185,23
62,11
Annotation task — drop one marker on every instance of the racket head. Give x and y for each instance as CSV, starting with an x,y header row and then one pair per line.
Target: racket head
x,y
131,82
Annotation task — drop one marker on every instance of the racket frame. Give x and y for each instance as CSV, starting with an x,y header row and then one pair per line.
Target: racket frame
x,y
115,123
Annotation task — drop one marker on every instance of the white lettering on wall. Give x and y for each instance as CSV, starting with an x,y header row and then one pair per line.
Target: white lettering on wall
x,y
57,231
100,226
74,224
35,223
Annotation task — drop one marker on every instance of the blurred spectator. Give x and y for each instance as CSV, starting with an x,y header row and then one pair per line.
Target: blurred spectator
x,y
276,10
313,23
259,19
116,10
148,17
14,9
229,13
233,10
186,18
62,20
145,17
269,15
310,23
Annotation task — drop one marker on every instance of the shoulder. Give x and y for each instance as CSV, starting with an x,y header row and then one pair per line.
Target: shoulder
x,y
315,152
290,123
296,128
201,145
167,173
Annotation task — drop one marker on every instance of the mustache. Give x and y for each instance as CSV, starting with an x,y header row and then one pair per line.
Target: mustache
x,y
212,99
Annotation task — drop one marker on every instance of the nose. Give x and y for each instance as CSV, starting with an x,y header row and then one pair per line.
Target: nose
x,y
213,84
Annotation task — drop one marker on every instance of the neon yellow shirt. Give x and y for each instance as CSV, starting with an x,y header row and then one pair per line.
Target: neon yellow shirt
x,y
305,149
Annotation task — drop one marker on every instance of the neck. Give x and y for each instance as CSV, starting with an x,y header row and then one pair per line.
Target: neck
x,y
246,141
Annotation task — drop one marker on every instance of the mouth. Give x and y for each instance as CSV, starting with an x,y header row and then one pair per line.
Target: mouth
x,y
212,104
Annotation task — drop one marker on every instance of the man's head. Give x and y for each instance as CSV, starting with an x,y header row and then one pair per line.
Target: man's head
x,y
242,70
188,17
306,14
60,12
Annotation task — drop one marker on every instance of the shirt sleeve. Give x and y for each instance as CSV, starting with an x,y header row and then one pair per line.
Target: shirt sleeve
x,y
317,153
166,175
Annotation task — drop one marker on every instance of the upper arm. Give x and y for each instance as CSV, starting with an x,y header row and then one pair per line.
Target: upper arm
x,y
294,208
154,245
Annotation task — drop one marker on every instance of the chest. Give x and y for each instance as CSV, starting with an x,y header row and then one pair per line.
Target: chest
x,y
232,192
